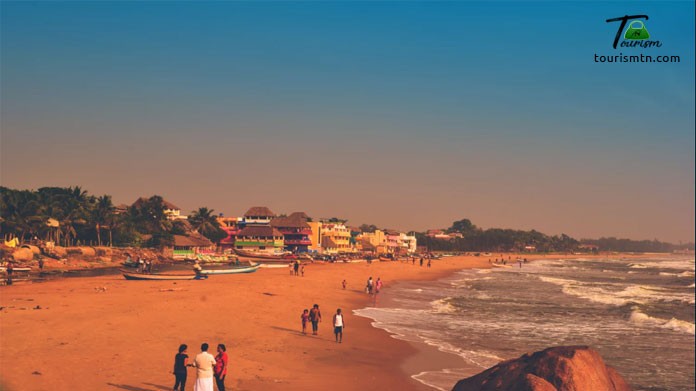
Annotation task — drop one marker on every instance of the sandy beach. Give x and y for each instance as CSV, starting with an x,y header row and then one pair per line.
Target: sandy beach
x,y
104,333
109,333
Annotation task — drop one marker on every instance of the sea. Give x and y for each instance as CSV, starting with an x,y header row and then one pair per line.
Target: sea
x,y
637,313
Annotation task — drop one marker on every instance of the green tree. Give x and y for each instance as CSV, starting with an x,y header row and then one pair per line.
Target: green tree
x,y
205,222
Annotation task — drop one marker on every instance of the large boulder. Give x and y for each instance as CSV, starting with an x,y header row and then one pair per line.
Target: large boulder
x,y
563,368
22,254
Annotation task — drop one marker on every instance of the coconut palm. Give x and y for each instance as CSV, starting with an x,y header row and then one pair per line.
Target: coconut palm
x,y
101,215
205,222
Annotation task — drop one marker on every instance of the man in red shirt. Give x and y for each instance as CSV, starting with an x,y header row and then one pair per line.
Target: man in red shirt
x,y
220,369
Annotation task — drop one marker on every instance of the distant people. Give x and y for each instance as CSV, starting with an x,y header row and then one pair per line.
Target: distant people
x,y
315,318
180,364
305,318
369,286
220,370
421,261
429,262
197,269
302,271
41,262
344,283
413,261
292,268
296,267
148,265
339,324
204,363
141,265
10,271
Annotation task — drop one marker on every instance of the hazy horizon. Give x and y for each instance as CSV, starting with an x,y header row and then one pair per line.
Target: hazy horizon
x,y
405,115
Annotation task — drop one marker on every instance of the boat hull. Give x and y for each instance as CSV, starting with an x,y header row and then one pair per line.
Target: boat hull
x,y
235,270
265,257
156,277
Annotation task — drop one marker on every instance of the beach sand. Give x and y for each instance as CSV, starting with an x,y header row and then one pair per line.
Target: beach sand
x,y
106,333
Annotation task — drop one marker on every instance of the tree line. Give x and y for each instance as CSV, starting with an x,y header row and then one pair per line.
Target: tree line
x,y
70,216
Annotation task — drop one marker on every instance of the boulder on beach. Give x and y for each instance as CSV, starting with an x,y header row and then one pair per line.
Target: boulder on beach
x,y
22,254
58,252
33,248
563,368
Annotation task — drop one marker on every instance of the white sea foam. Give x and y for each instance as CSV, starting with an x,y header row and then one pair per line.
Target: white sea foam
x,y
443,306
640,318
686,274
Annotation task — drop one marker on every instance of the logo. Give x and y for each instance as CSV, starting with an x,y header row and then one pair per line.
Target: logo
x,y
636,34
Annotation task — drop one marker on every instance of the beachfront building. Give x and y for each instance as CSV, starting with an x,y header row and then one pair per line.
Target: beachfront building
x,y
296,232
258,216
231,225
393,242
315,236
188,246
335,239
374,242
259,239
409,243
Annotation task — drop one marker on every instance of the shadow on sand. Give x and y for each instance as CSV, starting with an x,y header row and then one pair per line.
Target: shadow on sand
x,y
134,388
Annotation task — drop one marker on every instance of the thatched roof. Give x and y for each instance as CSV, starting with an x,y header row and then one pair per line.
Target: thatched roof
x,y
191,241
263,231
295,220
259,211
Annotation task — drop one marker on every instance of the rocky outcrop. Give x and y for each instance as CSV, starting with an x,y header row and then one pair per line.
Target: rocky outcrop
x,y
563,368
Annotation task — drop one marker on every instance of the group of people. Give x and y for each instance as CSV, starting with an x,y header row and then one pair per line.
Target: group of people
x,y
314,316
296,268
144,265
373,287
208,367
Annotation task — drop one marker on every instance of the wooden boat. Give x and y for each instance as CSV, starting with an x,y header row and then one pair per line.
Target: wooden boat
x,y
159,276
385,259
232,269
16,269
265,256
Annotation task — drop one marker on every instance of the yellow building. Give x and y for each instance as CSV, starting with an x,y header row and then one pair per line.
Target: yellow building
x,y
375,242
335,238
315,237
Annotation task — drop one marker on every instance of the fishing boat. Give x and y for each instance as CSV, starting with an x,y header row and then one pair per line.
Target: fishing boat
x,y
229,269
159,276
3,269
281,257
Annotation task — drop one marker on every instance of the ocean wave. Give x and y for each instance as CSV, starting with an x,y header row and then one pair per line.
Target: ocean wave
x,y
443,306
686,274
678,264
675,324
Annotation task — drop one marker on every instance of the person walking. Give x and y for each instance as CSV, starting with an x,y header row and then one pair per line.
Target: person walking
x,y
315,318
305,318
220,370
180,364
339,323
344,283
204,363
296,267
378,285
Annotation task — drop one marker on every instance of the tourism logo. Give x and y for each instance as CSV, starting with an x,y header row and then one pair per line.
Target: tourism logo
x,y
636,34
634,31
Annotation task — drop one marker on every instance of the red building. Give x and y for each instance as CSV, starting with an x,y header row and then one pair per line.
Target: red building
x,y
296,232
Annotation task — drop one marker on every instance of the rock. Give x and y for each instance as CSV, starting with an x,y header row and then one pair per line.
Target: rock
x,y
23,255
103,251
59,252
563,368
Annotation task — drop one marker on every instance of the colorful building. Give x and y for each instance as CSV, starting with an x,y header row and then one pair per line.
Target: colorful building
x,y
335,239
259,238
231,225
315,236
296,232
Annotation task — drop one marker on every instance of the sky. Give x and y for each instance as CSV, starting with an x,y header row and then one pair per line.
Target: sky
x,y
406,115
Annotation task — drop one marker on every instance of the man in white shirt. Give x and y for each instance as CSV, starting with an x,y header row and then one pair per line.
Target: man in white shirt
x,y
338,323
204,363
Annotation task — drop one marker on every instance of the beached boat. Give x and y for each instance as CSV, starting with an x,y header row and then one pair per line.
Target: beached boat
x,y
265,256
158,276
3,269
232,269
385,259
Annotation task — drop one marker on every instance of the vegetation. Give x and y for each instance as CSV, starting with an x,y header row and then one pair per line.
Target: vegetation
x,y
501,240
70,216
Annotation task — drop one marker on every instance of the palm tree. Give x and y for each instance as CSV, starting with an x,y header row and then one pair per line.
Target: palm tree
x,y
205,222
102,214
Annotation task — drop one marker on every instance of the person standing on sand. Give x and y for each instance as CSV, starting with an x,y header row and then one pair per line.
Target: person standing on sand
x,y
339,324
204,363
344,283
421,261
296,267
429,261
220,369
315,318
302,270
292,267
378,285
180,364
305,318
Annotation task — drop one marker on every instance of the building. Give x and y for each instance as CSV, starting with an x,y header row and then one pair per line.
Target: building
x,y
409,243
296,231
375,242
231,225
258,215
259,239
188,246
335,238
315,236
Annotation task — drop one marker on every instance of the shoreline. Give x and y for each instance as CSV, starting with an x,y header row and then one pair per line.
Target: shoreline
x,y
128,331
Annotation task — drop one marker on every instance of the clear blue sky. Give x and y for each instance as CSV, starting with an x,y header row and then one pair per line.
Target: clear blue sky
x,y
403,114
